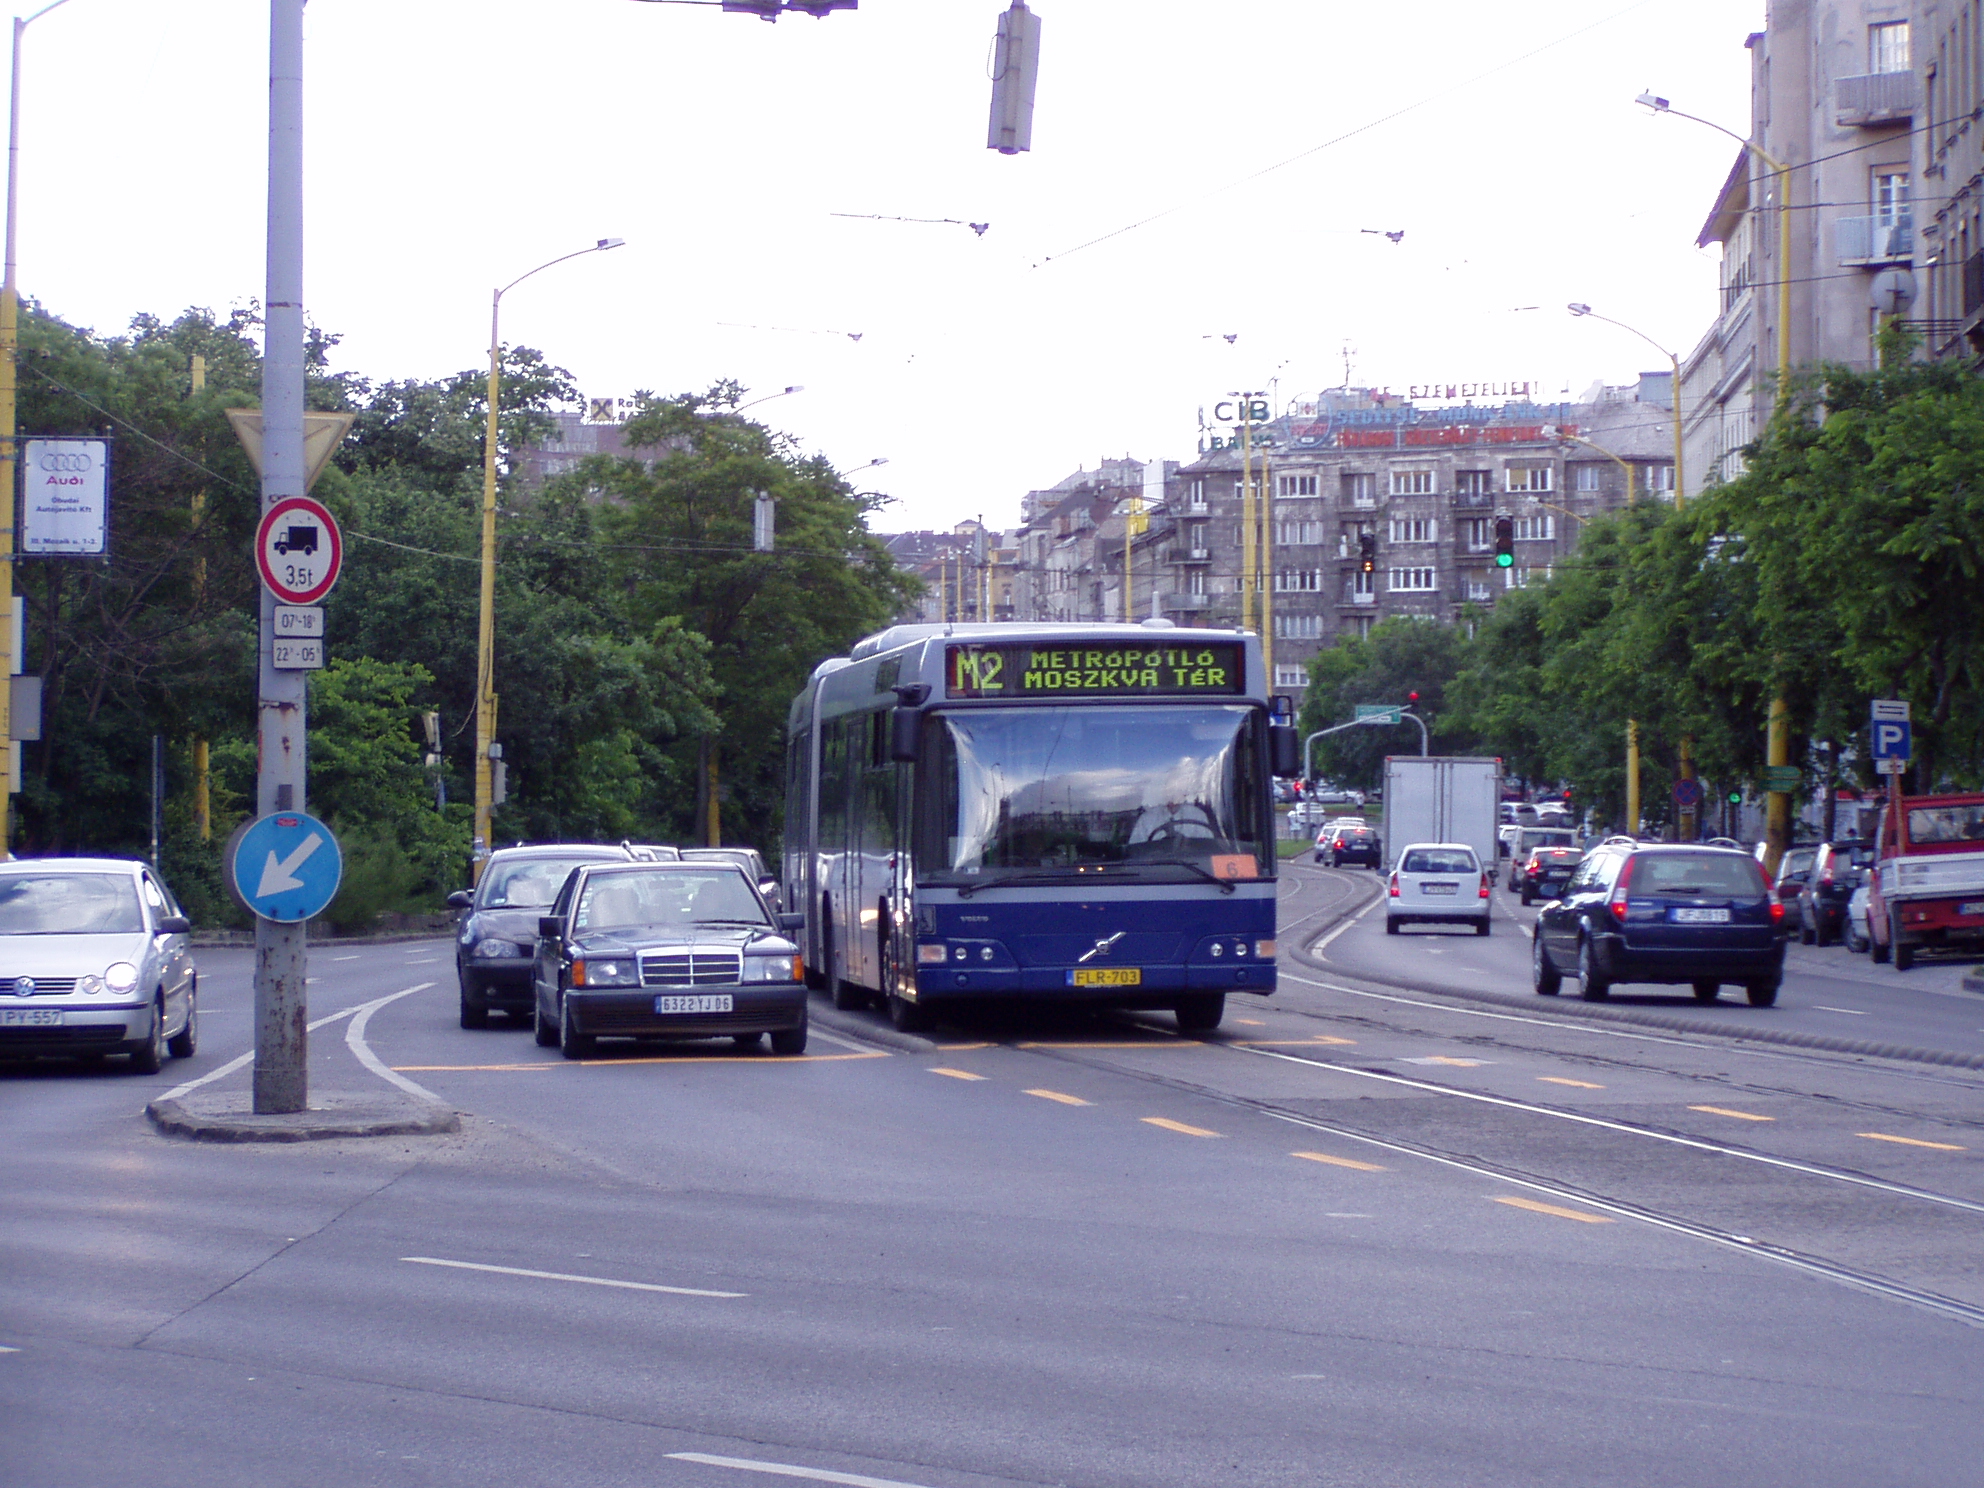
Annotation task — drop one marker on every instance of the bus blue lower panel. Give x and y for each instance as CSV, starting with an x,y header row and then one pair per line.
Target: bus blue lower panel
x,y
1112,947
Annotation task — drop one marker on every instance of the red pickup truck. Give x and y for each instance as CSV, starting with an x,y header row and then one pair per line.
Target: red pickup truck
x,y
1927,887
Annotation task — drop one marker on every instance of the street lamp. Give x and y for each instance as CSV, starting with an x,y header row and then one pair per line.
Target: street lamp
x,y
1680,482
1777,829
10,312
784,393
1783,173
485,661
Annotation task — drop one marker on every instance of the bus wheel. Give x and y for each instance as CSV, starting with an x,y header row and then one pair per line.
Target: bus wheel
x,y
906,1016
1201,1014
846,996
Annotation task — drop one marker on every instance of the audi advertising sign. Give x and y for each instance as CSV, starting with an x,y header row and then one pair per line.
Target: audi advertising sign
x,y
64,506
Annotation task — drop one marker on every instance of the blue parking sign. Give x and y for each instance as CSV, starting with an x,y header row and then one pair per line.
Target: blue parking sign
x,y
285,867
1891,738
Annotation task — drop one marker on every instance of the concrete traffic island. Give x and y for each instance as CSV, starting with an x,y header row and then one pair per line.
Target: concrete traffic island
x,y
231,1117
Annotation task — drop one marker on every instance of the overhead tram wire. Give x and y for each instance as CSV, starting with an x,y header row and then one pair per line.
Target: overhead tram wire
x,y
1365,128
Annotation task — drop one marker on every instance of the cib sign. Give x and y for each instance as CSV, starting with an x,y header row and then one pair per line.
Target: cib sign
x,y
64,486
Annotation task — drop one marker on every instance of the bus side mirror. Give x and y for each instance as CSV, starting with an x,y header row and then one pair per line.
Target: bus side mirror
x,y
1285,750
905,730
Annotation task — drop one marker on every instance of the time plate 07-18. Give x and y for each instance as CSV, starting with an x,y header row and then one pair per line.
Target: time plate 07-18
x,y
1106,976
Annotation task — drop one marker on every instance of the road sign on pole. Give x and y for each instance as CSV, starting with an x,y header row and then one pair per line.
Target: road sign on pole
x,y
1894,766
299,550
285,867
1380,712
1889,710
1687,793
1781,778
1892,740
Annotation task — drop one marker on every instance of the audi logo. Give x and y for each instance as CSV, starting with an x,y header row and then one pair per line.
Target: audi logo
x,y
67,464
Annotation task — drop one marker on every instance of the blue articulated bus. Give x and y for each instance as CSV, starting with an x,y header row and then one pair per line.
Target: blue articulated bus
x,y
1042,812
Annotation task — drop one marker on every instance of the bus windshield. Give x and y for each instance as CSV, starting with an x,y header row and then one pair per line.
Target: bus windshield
x,y
1092,789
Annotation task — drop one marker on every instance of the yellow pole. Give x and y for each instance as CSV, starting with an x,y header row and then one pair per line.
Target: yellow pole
x,y
1688,828
1680,479
1632,778
485,651
1129,536
1247,579
1267,568
1777,820
714,835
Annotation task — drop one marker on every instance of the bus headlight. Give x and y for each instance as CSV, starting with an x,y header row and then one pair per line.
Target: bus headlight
x,y
929,954
1264,949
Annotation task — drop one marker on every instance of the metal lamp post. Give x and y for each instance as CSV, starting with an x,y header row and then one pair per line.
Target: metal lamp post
x,y
10,310
485,656
1680,479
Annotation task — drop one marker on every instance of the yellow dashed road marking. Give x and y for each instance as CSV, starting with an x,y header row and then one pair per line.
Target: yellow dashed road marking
x,y
1574,1084
1321,1038
1179,1126
1738,1115
1912,1142
1055,1095
1339,1162
955,1074
1536,1207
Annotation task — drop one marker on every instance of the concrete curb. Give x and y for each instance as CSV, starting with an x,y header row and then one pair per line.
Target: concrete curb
x,y
243,940
852,1025
230,1117
1973,981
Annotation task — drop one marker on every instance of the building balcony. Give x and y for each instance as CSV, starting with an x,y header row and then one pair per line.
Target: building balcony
x,y
1874,240
1476,500
1875,98
1186,603
1350,597
1189,555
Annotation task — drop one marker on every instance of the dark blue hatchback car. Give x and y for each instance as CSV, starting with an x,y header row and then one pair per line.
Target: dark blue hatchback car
x,y
1672,913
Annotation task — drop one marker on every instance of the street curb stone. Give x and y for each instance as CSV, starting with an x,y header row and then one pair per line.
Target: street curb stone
x,y
843,1023
230,1117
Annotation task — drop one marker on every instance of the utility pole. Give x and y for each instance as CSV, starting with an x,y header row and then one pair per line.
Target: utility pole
x,y
1266,552
281,1014
203,818
1247,559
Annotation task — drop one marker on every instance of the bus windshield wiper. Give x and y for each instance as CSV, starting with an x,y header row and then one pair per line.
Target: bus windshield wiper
x,y
1225,884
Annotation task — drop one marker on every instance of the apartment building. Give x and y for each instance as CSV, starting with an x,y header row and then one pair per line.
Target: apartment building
x,y
1837,91
1947,49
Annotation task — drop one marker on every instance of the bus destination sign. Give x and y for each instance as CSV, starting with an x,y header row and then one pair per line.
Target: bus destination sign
x,y
1027,671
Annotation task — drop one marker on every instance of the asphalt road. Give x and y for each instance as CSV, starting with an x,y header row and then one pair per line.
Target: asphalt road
x,y
1376,1233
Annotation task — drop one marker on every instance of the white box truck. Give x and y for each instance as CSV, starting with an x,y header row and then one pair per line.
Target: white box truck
x,y
1442,798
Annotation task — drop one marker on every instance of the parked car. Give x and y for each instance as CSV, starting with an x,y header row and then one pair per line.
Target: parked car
x,y
1837,870
682,950
497,934
1854,931
1527,841
1438,883
95,959
1663,913
1793,869
1336,795
1543,874
744,857
1348,843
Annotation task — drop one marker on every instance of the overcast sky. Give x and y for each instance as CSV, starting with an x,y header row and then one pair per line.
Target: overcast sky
x,y
455,144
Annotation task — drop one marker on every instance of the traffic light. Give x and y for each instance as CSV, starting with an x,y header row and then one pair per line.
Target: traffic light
x,y
1015,70
1367,552
1735,798
1505,542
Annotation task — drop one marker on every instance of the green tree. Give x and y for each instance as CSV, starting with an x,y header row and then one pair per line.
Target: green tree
x,y
1400,657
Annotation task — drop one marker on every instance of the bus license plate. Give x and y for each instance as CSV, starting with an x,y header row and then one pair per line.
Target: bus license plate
x,y
30,1017
1701,916
707,1002
1106,976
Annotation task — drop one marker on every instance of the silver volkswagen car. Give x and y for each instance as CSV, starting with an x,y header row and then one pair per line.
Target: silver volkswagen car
x,y
94,960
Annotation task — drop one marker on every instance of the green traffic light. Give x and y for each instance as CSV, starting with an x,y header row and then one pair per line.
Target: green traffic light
x,y
1735,798
1505,560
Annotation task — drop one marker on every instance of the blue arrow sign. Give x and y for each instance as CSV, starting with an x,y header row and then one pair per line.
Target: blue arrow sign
x,y
286,867
1891,738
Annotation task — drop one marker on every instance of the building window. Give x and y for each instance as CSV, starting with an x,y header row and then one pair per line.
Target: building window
x,y
1298,534
1195,581
1299,627
1887,47
1590,476
1198,495
1298,580
1474,482
1530,478
1363,624
1414,530
1889,194
1295,485
1536,529
1291,676
1411,581
1412,483
1360,490
1479,592
1657,477
1478,533
1360,583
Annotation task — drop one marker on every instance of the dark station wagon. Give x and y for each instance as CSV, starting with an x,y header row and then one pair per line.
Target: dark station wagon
x,y
1672,913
